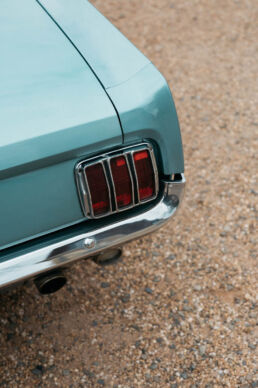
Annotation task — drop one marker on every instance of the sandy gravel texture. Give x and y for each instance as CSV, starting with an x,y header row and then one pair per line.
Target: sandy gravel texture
x,y
180,309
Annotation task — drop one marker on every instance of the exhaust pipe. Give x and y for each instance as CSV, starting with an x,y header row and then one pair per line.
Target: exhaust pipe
x,y
110,256
50,283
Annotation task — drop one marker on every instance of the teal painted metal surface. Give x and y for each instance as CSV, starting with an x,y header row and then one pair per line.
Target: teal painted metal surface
x,y
50,101
37,202
147,111
139,92
52,109
108,52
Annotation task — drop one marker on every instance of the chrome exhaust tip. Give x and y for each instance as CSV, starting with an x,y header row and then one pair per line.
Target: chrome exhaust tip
x,y
110,256
50,283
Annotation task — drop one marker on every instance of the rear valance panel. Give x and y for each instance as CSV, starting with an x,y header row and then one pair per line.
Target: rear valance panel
x,y
37,202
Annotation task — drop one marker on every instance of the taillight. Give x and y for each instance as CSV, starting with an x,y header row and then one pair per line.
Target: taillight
x,y
100,199
145,174
122,182
117,180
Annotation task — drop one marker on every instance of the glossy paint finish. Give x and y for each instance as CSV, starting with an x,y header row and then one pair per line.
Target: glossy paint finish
x,y
53,112
68,79
138,91
108,52
147,111
50,101
37,202
86,244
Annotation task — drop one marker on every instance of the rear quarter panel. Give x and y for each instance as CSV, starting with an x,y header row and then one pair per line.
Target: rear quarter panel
x,y
147,111
138,91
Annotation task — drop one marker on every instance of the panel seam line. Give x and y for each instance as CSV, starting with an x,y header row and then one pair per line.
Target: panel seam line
x,y
85,60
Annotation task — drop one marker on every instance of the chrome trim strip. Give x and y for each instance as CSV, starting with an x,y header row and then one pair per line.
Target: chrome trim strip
x,y
131,179
112,181
135,175
81,188
65,252
155,169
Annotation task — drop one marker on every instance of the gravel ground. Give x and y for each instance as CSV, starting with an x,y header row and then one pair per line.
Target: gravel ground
x,y
180,309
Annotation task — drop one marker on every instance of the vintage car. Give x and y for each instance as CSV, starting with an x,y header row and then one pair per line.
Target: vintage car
x,y
90,147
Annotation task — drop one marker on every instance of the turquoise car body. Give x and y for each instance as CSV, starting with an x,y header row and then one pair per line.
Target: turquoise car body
x,y
72,86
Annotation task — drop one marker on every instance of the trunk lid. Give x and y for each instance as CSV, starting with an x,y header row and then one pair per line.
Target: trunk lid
x,y
53,112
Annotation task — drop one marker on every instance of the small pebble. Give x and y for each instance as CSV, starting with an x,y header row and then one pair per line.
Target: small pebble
x,y
153,366
148,290
104,284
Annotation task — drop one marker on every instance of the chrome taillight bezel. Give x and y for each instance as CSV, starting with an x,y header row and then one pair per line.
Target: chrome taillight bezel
x,y
105,159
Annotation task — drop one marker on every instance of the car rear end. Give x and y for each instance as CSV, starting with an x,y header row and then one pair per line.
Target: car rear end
x,y
90,151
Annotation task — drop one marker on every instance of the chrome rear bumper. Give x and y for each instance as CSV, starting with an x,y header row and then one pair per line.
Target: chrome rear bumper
x,y
85,245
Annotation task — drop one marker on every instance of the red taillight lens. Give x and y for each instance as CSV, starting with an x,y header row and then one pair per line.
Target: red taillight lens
x,y
145,174
98,189
122,181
